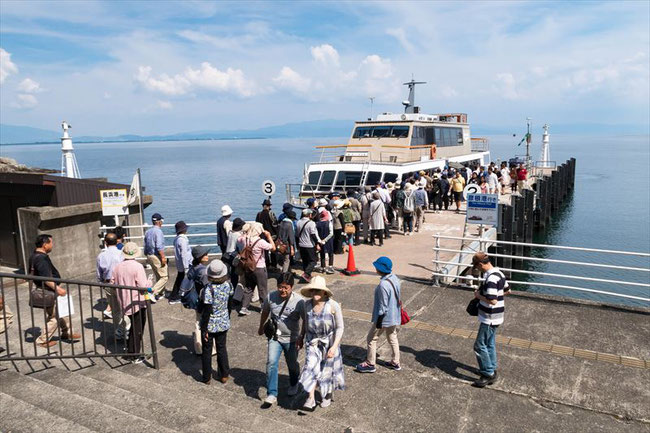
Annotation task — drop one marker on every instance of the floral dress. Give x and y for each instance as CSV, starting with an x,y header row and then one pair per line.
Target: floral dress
x,y
321,331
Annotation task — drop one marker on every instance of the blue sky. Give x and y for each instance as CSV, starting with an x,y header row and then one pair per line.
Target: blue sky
x,y
163,67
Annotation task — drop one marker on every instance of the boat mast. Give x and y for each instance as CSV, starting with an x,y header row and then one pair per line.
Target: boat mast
x,y
409,106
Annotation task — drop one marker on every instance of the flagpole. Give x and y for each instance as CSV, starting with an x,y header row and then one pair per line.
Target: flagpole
x,y
140,203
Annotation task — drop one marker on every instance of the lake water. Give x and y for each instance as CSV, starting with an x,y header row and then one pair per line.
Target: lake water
x,y
191,180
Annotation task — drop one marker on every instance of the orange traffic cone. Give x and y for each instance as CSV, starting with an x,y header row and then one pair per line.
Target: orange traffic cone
x,y
351,270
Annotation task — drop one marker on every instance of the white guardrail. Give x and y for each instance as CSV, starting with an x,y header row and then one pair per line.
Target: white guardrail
x,y
144,227
466,251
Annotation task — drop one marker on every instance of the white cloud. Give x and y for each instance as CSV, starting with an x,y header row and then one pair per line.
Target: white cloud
x,y
291,80
326,55
399,34
29,86
448,92
506,86
25,101
206,77
7,67
165,105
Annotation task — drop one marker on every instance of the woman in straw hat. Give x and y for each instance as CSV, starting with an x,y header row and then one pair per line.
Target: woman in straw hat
x,y
321,336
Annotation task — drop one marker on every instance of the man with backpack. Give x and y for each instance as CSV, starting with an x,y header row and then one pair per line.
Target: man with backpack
x,y
308,243
408,209
252,248
490,315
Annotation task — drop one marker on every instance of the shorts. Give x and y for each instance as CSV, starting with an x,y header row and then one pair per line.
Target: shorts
x,y
458,196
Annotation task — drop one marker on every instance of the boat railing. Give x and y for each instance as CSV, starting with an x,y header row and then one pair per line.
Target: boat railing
x,y
480,144
511,255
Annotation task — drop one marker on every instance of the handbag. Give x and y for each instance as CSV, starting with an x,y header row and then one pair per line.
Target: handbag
x,y
271,325
281,247
404,316
41,298
472,307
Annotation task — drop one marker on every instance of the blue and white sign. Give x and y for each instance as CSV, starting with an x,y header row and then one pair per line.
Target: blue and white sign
x,y
482,209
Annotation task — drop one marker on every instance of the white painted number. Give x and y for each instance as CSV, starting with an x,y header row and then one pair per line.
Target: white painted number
x,y
268,187
471,189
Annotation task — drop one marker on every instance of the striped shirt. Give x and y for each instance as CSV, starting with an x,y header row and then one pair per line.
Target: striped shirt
x,y
492,288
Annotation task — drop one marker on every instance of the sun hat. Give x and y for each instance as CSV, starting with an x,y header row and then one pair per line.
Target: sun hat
x,y
338,204
217,269
389,185
180,227
422,173
286,207
346,203
323,202
226,210
423,183
199,251
290,214
156,217
317,283
383,264
306,212
237,224
131,250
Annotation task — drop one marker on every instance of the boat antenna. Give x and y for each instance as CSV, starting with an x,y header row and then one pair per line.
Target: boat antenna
x,y
409,106
372,101
528,140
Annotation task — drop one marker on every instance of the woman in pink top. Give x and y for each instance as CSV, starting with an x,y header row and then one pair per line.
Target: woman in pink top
x,y
134,305
260,240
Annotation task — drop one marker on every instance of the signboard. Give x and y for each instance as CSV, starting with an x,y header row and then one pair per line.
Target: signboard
x,y
114,202
482,209
268,187
472,188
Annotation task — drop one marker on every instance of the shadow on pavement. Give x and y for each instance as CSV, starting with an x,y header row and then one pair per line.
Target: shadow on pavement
x,y
442,361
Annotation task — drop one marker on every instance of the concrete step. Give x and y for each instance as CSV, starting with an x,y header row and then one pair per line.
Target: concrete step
x,y
19,416
147,405
194,401
79,409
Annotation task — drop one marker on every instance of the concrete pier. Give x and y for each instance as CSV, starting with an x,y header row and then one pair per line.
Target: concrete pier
x,y
565,365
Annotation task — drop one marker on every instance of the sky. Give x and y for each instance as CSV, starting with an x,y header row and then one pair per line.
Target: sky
x,y
112,68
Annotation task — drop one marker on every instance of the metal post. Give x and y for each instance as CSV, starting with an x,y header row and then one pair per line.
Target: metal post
x,y
152,337
22,240
436,279
140,203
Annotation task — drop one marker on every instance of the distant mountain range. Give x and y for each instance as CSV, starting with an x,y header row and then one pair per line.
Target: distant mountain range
x,y
12,134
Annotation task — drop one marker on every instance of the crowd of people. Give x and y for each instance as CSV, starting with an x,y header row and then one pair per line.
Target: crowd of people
x,y
312,319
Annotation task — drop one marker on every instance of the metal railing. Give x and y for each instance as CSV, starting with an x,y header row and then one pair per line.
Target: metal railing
x,y
451,269
86,301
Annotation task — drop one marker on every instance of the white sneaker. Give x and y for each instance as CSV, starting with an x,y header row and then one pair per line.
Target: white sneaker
x,y
326,402
244,312
293,390
309,405
269,401
108,314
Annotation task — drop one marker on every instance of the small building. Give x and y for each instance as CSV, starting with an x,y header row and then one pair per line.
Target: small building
x,y
33,201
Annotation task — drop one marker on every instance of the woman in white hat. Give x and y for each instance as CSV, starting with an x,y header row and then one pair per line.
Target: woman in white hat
x,y
215,320
321,336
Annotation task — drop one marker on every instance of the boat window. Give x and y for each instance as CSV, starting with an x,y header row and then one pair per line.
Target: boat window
x,y
348,178
381,131
327,179
390,177
314,176
399,131
393,131
373,177
362,131
422,135
446,137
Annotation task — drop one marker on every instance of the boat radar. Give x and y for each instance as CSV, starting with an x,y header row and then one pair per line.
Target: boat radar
x,y
545,160
69,167
409,106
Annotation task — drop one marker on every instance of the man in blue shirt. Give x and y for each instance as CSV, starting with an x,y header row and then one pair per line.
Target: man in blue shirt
x,y
154,249
106,261
386,317
183,259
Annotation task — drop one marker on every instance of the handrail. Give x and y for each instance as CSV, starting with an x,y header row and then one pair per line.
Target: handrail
x,y
560,247
568,262
575,277
338,146
559,286
66,281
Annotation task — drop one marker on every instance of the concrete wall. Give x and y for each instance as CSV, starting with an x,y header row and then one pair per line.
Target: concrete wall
x,y
75,231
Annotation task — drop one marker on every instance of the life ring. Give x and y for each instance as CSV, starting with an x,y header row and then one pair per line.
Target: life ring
x,y
432,155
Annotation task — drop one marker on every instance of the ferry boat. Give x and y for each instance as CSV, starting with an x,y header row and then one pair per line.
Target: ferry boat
x,y
391,148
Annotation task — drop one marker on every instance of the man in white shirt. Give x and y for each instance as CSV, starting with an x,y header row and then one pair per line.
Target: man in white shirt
x,y
492,181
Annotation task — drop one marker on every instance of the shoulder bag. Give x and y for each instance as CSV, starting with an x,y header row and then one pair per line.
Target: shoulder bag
x,y
404,317
41,297
271,325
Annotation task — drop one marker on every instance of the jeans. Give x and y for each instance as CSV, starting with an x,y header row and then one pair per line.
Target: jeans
x,y
273,359
485,349
408,222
